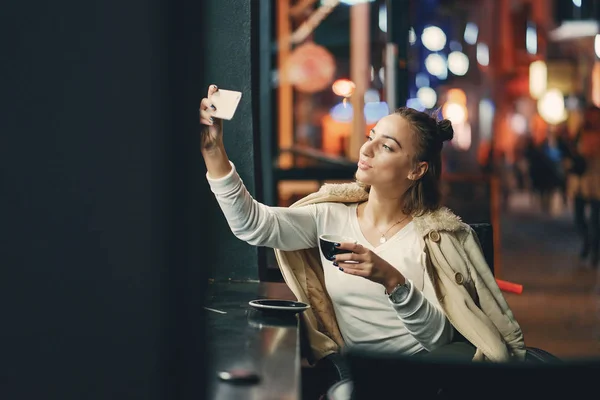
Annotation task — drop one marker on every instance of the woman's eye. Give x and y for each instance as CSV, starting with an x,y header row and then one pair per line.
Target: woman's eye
x,y
369,138
388,148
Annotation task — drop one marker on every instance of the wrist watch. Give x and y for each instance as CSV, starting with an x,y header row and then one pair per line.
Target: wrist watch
x,y
400,292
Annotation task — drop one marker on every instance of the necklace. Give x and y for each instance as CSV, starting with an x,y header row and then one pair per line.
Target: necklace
x,y
383,239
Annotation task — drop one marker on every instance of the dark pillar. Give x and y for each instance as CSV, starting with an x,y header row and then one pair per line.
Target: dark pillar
x,y
230,54
101,232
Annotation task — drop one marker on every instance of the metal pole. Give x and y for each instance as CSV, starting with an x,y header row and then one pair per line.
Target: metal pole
x,y
398,24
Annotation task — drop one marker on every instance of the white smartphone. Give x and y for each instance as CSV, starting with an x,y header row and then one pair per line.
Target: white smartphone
x,y
226,102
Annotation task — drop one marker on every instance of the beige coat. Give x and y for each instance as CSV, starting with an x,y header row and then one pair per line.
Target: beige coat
x,y
465,287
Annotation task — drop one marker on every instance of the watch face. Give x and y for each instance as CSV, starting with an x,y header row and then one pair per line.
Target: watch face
x,y
400,293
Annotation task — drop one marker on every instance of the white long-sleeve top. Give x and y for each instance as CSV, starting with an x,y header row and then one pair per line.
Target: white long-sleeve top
x,y
366,317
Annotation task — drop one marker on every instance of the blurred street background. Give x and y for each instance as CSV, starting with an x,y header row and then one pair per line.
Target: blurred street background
x,y
559,309
520,81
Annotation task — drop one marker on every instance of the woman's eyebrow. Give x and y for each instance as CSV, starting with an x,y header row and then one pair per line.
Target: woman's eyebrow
x,y
388,137
392,138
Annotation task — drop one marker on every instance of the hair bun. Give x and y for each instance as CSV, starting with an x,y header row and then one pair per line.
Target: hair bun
x,y
445,130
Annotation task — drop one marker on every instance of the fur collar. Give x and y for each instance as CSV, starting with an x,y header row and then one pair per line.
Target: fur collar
x,y
353,191
442,219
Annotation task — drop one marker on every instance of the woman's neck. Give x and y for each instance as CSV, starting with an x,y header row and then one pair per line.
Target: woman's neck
x,y
382,211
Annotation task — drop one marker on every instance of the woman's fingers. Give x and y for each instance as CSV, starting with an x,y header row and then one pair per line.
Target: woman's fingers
x,y
212,89
206,104
359,248
357,254
348,258
206,117
353,247
351,269
206,112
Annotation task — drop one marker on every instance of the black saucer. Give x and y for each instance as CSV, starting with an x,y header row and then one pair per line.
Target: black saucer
x,y
273,306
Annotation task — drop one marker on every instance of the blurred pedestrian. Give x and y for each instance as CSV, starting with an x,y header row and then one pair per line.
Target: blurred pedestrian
x,y
541,172
584,187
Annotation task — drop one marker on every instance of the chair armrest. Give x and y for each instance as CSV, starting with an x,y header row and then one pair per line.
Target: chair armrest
x,y
535,355
337,363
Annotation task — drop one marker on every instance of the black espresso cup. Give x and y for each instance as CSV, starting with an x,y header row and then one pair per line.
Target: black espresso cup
x,y
327,244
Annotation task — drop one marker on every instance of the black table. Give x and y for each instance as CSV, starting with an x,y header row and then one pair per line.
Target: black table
x,y
241,337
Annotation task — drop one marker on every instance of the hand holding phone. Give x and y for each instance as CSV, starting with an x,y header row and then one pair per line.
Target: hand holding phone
x,y
225,102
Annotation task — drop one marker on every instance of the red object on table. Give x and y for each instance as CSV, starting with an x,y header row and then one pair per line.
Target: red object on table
x,y
509,286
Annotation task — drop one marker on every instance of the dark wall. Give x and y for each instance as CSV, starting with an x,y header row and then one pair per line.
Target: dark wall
x,y
101,228
230,52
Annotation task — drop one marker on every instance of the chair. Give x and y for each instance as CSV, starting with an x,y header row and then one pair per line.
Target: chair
x,y
485,234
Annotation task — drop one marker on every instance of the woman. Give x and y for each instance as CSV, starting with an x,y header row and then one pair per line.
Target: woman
x,y
416,280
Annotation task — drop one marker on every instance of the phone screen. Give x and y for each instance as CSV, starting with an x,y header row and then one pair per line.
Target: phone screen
x,y
226,102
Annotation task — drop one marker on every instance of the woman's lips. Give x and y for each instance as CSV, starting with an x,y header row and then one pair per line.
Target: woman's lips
x,y
362,165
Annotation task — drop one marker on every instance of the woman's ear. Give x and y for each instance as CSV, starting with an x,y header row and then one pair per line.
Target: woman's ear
x,y
419,171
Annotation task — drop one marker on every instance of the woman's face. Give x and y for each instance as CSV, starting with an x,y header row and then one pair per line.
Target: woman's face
x,y
386,158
